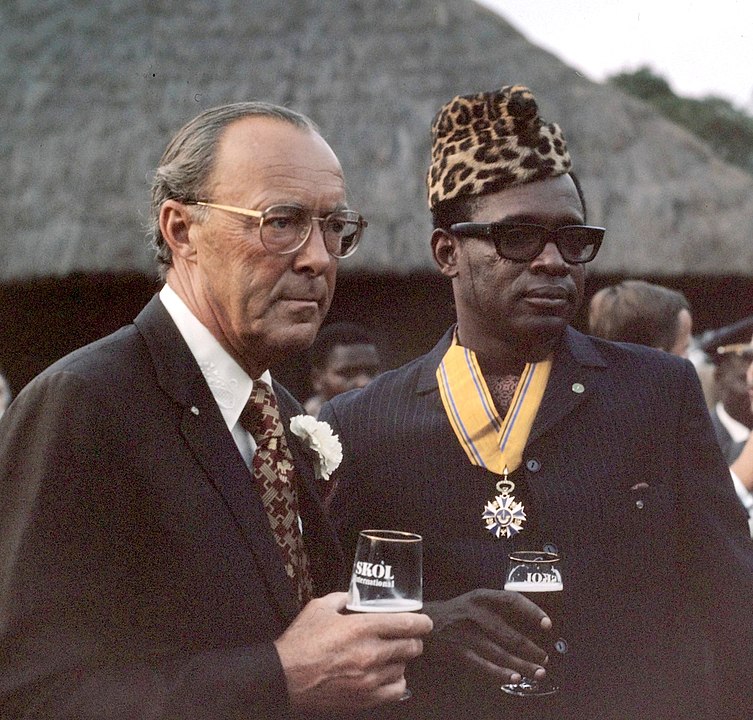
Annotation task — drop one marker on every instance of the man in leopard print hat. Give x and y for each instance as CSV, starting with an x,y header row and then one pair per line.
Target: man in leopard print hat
x,y
516,432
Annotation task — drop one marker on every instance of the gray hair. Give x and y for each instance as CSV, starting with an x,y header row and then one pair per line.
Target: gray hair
x,y
188,161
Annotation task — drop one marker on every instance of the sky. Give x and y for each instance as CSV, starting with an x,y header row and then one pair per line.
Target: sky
x,y
699,47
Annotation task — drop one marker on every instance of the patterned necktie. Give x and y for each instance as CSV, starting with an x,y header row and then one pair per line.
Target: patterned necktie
x,y
273,472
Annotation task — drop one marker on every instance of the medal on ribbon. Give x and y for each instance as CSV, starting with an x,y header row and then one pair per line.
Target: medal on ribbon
x,y
504,516
490,441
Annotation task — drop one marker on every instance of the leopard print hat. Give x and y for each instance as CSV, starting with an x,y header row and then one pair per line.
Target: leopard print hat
x,y
489,141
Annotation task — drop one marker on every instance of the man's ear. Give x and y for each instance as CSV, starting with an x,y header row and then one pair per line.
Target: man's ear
x,y
444,248
175,219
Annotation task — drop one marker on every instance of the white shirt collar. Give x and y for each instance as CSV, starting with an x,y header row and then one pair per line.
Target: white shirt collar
x,y
229,383
737,431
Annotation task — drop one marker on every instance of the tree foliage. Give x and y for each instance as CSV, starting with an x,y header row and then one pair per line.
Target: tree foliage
x,y
726,129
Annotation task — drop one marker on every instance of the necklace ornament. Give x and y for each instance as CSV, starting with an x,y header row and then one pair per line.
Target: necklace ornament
x,y
504,516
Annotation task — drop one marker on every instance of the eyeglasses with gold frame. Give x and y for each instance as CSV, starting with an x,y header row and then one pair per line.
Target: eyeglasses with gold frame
x,y
283,229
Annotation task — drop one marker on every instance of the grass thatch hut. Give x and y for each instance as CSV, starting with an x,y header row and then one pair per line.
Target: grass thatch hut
x,y
92,91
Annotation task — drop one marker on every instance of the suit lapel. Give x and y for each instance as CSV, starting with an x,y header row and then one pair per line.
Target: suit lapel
x,y
214,448
205,432
570,383
427,378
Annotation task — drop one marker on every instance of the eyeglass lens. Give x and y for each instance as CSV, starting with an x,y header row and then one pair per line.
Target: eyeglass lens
x,y
284,228
525,242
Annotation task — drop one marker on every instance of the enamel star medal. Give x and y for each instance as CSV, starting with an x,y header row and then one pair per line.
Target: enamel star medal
x,y
504,516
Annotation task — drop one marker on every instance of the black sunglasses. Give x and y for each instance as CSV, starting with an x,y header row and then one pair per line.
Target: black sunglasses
x,y
523,242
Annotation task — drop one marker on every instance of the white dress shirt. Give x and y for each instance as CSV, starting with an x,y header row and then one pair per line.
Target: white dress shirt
x,y
230,384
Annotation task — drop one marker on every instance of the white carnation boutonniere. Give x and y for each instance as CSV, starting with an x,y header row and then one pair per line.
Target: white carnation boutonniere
x,y
318,436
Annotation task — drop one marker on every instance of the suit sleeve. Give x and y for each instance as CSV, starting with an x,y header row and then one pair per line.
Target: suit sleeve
x,y
71,644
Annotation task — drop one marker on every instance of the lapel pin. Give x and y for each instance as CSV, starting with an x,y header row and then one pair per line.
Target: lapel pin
x,y
578,388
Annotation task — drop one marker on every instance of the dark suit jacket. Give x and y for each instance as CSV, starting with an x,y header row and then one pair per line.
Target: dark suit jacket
x,y
649,570
140,578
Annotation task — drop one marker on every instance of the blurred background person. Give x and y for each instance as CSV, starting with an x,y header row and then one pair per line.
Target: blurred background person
x,y
739,448
639,312
732,415
343,357
705,356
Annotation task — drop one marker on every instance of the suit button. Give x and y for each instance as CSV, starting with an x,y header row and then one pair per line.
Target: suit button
x,y
551,548
561,646
533,465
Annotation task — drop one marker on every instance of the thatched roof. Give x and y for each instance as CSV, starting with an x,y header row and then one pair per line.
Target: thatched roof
x,y
92,92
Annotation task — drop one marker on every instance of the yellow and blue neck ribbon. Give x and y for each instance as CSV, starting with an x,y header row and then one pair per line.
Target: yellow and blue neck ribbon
x,y
490,441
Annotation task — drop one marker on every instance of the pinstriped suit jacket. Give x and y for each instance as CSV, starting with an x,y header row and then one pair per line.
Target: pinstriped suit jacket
x,y
140,578
642,565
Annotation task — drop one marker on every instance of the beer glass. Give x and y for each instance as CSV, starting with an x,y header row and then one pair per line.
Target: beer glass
x,y
387,574
538,576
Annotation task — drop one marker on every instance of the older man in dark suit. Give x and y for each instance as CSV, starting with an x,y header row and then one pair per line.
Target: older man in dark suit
x,y
160,536
517,432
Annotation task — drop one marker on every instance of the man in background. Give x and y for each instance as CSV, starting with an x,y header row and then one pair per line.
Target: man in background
x,y
643,313
731,415
343,357
163,550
